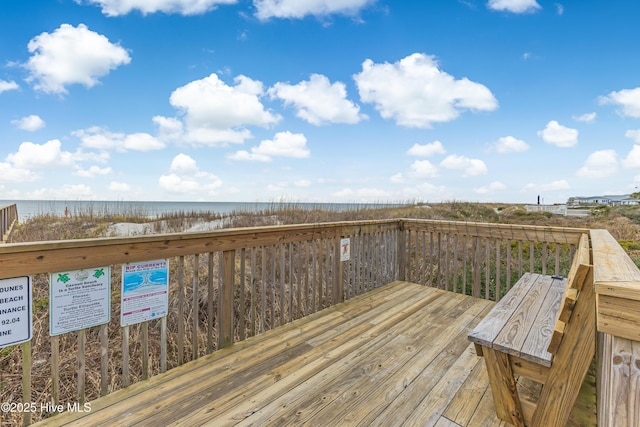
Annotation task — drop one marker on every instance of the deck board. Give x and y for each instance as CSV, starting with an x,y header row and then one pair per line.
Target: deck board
x,y
398,355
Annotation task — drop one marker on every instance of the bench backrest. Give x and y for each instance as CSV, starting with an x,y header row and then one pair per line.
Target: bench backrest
x,y
578,337
579,273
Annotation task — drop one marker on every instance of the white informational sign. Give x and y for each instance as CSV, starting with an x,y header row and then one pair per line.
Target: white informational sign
x,y
15,311
345,249
79,299
145,291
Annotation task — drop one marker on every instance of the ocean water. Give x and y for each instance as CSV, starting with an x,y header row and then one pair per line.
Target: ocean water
x,y
30,208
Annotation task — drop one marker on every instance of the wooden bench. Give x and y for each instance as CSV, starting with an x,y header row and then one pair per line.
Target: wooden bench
x,y
543,330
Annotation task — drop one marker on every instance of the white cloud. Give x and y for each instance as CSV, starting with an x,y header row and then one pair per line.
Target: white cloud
x,y
266,9
102,139
121,187
302,183
11,173
66,192
514,6
71,55
284,144
416,93
7,86
397,178
184,165
495,186
632,160
93,171
186,178
552,186
215,114
182,7
628,99
431,190
559,8
510,144
424,169
41,156
471,167
426,150
169,128
633,134
559,135
30,123
586,118
599,164
318,101
362,195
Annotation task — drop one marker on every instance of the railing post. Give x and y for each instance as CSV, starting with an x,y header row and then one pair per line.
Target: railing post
x,y
338,279
26,380
225,300
476,269
402,256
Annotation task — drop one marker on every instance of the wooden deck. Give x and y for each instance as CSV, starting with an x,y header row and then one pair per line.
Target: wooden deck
x,y
396,356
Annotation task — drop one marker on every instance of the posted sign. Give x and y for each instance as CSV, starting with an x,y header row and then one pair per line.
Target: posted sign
x,y
145,291
79,299
345,249
15,311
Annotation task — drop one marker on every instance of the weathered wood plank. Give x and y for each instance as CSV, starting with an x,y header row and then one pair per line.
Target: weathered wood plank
x,y
512,337
486,331
614,273
619,316
503,387
536,344
571,363
465,403
225,300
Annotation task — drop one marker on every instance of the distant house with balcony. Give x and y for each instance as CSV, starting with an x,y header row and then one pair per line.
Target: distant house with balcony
x,y
609,200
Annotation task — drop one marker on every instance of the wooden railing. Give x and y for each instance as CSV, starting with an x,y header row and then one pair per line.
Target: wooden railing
x,y
8,218
617,286
228,285
483,260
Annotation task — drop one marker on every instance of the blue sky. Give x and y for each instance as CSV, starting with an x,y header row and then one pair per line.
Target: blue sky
x,y
319,100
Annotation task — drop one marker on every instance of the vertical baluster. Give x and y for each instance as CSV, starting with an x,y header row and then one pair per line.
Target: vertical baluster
x,y
531,256
446,262
241,315
104,359
82,338
210,303
195,302
263,288
55,369
125,356
253,292
508,265
498,262
519,258
464,264
487,272
181,310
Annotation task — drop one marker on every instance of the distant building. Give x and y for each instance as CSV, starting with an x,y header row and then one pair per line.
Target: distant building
x,y
608,200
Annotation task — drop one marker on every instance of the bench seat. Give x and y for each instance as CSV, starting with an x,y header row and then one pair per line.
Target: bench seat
x,y
522,322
